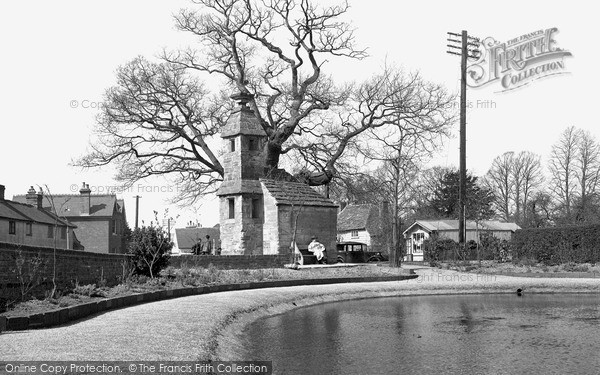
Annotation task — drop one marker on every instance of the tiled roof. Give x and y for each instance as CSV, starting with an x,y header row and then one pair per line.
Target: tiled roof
x,y
25,212
295,193
355,217
450,225
71,205
188,237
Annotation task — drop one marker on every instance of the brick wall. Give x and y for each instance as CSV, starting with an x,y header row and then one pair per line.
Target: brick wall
x,y
230,261
71,267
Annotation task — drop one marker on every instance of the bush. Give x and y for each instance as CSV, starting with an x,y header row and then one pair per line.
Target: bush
x,y
437,249
151,250
493,248
551,246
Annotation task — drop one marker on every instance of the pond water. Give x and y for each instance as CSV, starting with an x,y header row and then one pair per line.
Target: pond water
x,y
473,334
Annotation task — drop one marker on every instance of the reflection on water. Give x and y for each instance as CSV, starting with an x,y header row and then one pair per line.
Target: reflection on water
x,y
485,334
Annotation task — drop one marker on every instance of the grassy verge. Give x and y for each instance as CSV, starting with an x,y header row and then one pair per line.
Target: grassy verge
x,y
525,266
173,278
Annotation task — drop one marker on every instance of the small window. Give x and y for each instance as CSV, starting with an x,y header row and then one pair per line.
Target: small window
x,y
12,227
231,202
63,232
28,229
232,145
50,231
256,208
252,144
354,233
113,226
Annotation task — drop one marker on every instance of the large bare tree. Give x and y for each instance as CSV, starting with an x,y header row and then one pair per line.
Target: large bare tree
x,y
161,118
562,166
514,178
587,173
499,180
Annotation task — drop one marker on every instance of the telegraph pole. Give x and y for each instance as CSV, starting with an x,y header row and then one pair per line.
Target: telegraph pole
x,y
466,47
137,210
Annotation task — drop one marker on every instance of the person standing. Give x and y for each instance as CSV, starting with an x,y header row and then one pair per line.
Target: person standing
x,y
317,248
207,246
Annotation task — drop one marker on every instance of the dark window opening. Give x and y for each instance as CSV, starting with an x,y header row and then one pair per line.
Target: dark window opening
x,y
12,227
231,202
252,145
232,145
50,231
28,229
256,208
63,232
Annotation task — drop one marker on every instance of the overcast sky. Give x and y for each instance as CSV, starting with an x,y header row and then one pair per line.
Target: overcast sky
x,y
59,57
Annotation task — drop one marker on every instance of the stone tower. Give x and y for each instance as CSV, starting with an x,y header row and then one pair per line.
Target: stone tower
x,y
241,214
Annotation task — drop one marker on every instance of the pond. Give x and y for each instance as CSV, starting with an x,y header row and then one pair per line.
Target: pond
x,y
483,334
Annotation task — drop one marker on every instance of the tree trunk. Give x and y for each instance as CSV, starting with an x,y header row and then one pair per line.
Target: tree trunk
x,y
272,153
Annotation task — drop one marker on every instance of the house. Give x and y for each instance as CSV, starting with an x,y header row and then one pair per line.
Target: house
x,y
421,230
361,223
261,211
100,218
29,224
186,238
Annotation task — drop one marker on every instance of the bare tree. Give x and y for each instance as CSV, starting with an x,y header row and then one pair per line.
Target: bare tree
x,y
563,166
499,180
527,179
513,178
160,119
587,173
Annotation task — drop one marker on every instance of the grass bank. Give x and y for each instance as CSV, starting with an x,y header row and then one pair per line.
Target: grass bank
x,y
173,278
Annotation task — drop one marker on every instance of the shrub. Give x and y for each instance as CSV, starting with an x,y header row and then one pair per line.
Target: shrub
x,y
437,249
84,290
493,248
150,248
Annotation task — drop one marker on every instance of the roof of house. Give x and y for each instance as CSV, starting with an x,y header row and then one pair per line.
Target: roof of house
x,y
187,237
71,205
295,193
355,217
25,212
452,225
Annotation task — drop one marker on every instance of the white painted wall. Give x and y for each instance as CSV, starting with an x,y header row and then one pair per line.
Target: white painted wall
x,y
362,236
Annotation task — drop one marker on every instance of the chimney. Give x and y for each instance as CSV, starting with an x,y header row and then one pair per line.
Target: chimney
x,y
86,194
2,188
40,199
31,197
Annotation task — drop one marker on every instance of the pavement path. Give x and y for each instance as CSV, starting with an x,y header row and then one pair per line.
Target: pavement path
x,y
188,328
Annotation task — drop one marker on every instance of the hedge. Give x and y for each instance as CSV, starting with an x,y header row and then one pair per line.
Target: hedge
x,y
444,249
579,244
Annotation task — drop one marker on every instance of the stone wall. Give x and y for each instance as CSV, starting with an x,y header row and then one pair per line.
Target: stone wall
x,y
230,261
311,221
71,267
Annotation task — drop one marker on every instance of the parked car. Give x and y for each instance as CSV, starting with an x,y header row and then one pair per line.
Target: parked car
x,y
357,252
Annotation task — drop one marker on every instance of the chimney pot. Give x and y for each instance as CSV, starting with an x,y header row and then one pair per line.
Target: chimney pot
x,y
86,193
2,188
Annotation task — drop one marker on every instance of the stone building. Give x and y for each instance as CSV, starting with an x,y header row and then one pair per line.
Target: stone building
x,y
258,211
100,218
